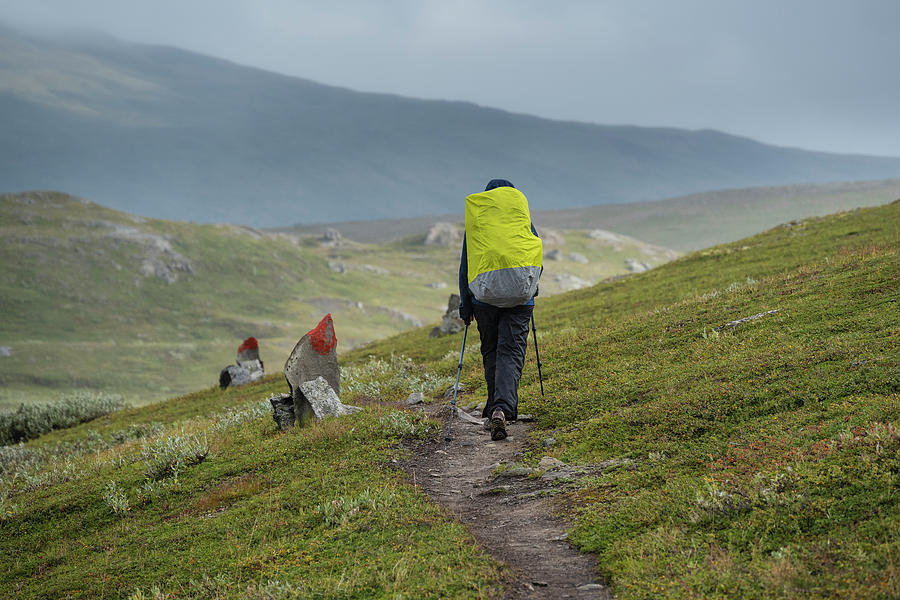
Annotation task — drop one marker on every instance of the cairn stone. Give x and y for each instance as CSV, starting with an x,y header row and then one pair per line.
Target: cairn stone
x,y
248,350
283,411
450,322
249,367
314,356
248,358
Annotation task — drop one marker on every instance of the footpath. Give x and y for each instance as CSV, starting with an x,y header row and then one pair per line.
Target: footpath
x,y
507,507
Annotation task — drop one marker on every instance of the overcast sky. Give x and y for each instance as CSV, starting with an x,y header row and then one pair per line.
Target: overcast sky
x,y
817,74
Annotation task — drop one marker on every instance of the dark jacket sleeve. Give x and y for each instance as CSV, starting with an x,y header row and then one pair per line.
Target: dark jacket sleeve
x,y
465,294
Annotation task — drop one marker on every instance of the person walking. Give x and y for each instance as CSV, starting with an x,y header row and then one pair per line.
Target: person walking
x,y
499,270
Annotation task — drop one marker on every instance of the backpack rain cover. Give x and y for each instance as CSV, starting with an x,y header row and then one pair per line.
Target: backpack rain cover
x,y
504,256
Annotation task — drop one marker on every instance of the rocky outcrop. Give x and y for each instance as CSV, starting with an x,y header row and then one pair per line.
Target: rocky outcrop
x,y
443,234
636,266
578,257
569,282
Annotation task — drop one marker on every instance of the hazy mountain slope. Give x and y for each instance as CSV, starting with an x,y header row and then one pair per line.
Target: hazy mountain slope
x,y
99,299
172,134
683,223
701,220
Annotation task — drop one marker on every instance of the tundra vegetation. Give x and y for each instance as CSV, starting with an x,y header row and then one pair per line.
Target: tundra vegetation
x,y
755,461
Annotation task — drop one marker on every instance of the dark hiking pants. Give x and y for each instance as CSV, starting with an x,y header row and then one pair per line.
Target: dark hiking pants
x,y
504,335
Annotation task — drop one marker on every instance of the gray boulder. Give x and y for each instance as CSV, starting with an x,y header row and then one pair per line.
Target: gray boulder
x,y
554,254
317,399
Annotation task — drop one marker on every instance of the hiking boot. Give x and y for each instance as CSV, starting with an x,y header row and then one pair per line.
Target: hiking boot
x,y
498,425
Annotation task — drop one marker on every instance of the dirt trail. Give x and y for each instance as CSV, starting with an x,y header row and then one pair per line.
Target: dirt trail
x,y
510,514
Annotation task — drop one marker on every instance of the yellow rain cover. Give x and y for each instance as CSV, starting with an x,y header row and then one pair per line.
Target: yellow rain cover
x,y
504,256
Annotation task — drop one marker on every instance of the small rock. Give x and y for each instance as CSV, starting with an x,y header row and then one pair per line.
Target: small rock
x,y
589,586
415,398
554,254
540,583
549,442
337,267
437,285
283,411
449,393
515,472
523,418
549,463
5,351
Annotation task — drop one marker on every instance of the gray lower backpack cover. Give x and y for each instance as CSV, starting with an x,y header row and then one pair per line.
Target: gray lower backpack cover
x,y
506,287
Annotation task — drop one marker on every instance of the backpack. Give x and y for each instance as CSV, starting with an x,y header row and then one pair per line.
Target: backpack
x,y
504,255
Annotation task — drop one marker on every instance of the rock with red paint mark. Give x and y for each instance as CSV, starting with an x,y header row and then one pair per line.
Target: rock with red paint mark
x,y
248,359
314,356
248,350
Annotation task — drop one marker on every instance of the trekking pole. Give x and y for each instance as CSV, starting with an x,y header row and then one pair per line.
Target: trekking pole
x,y
448,437
537,354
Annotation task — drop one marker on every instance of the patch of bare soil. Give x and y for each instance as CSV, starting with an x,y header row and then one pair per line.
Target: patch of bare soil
x,y
505,506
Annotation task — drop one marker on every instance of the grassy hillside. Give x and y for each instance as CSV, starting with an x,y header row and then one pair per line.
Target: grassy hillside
x,y
172,134
108,301
756,461
759,461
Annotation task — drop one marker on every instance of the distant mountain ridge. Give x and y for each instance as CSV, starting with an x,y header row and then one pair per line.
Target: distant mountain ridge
x,y
177,135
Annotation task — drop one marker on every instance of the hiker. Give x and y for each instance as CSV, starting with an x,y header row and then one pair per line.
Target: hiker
x,y
498,277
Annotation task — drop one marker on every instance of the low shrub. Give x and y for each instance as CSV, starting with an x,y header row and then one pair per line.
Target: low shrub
x,y
32,420
115,498
169,456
